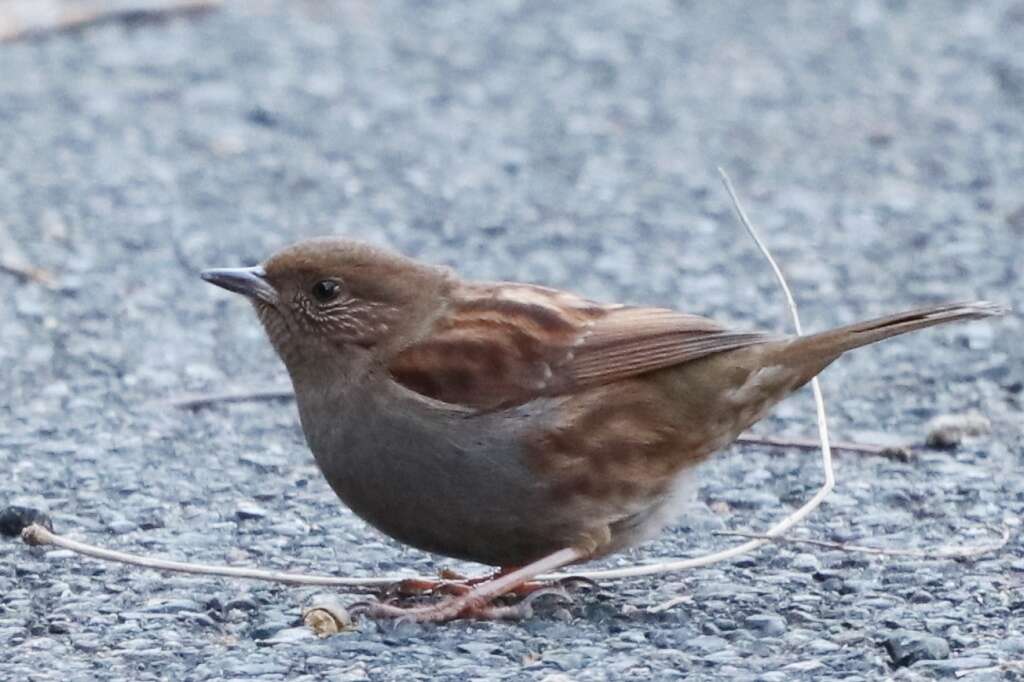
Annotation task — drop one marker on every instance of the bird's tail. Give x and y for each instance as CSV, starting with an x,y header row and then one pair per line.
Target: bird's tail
x,y
829,345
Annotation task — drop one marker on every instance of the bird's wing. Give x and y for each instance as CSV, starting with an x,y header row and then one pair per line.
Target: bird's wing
x,y
497,346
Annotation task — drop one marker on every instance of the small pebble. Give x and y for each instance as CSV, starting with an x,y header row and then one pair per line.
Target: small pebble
x,y
907,646
14,519
766,624
287,636
806,562
247,511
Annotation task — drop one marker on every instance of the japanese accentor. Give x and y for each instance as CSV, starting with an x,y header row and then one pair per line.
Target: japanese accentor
x,y
513,424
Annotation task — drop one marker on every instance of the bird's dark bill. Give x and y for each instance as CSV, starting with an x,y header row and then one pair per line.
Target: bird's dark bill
x,y
249,282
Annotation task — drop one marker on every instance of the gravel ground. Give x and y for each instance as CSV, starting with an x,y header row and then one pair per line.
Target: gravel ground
x,y
879,146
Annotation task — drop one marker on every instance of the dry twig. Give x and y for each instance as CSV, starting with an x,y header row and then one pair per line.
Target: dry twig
x,y
944,552
35,534
38,535
13,260
896,453
28,18
197,400
797,516
1000,667
28,272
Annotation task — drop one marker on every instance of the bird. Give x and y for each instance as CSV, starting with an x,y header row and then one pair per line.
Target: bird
x,y
513,424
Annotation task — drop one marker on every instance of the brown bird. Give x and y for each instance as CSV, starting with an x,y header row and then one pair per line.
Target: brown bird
x,y
512,424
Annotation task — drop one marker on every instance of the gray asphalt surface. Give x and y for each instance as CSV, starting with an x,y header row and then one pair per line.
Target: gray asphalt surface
x,y
878,145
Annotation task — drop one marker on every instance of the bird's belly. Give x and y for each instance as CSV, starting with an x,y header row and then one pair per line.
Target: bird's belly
x,y
458,487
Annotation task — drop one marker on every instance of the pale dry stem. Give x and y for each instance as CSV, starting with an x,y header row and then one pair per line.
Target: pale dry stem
x,y
33,18
941,552
36,534
28,272
197,400
899,453
1015,667
797,516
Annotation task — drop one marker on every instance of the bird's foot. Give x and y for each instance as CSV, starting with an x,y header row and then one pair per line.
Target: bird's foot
x,y
478,601
465,602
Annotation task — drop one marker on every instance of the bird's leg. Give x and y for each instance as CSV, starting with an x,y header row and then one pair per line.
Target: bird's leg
x,y
520,590
476,602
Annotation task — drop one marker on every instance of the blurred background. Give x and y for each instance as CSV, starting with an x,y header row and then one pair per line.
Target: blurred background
x,y
878,145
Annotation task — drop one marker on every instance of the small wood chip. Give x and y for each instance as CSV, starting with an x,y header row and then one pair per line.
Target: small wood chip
x,y
327,618
12,258
950,430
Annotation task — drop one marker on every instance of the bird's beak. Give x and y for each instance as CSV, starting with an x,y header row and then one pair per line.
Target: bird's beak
x,y
251,282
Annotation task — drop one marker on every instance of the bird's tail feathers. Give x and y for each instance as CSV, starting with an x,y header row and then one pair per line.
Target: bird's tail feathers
x,y
831,344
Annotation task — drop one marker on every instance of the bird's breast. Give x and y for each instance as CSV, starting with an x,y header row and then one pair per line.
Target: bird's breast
x,y
436,477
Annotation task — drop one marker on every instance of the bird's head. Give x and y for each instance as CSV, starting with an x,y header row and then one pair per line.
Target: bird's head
x,y
328,299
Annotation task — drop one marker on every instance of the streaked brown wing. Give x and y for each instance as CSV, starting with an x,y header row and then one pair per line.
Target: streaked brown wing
x,y
630,341
503,345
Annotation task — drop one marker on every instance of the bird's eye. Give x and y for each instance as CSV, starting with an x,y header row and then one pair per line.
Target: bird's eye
x,y
326,290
